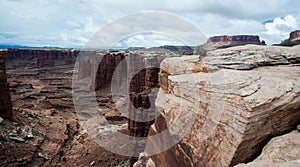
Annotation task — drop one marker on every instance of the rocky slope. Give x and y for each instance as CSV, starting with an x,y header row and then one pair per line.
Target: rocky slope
x,y
219,42
231,104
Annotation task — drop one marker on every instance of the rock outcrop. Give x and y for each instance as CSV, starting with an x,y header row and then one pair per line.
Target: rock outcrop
x,y
219,42
280,151
235,100
5,99
295,35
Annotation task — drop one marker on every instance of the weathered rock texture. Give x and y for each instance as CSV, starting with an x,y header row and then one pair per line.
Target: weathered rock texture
x,y
280,151
5,99
259,87
218,42
44,57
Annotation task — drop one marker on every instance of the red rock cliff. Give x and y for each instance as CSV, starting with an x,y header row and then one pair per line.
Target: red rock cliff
x,y
44,57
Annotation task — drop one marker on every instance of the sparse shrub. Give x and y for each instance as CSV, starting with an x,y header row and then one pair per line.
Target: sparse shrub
x,y
287,42
63,158
199,50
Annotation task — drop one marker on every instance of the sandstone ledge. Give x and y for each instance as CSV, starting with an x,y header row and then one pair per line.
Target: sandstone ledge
x,y
247,94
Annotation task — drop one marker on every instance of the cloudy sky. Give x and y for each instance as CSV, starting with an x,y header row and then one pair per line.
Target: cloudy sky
x,y
71,23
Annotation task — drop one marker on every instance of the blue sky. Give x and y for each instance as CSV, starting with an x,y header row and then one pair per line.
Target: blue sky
x,y
69,23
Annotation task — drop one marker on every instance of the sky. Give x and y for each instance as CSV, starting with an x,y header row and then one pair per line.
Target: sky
x,y
71,23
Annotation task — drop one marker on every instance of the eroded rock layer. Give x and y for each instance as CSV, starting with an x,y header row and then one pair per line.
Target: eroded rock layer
x,y
5,99
242,97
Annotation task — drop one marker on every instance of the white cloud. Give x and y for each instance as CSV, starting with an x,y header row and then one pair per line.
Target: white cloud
x,y
279,29
73,22
148,40
281,25
79,32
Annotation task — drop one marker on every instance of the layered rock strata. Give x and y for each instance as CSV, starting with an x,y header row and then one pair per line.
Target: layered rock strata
x,y
44,57
235,100
5,99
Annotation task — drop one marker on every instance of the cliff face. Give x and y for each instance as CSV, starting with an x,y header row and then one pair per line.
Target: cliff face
x,y
5,99
225,41
44,57
100,67
235,100
137,73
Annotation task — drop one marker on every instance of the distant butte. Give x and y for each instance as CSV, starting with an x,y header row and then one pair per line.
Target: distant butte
x,y
225,41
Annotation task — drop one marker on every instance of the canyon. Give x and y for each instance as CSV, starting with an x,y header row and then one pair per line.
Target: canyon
x,y
222,109
43,129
